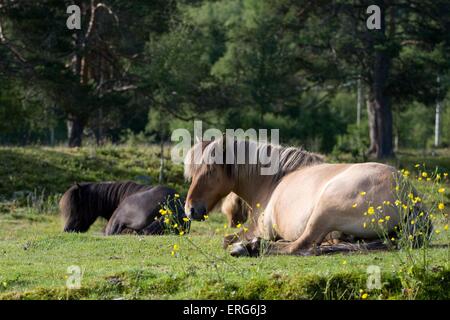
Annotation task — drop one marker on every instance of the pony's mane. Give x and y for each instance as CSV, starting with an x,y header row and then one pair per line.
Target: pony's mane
x,y
86,201
202,155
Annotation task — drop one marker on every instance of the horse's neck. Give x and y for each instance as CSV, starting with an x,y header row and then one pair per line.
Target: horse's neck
x,y
104,205
256,191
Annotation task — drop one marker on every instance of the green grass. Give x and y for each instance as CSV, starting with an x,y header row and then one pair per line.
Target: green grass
x,y
35,254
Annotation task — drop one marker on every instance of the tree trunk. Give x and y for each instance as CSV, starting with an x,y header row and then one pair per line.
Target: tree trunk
x,y
75,128
380,126
379,110
378,104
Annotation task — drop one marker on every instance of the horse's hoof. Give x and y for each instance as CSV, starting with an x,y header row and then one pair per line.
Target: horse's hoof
x,y
239,250
253,247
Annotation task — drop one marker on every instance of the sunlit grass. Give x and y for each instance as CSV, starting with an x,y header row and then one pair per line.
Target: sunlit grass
x,y
35,254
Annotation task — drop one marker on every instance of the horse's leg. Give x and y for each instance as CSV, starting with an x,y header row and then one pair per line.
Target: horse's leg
x,y
156,227
114,227
236,237
315,232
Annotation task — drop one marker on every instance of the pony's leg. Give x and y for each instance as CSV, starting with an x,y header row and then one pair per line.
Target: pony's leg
x,y
251,248
156,227
241,236
114,227
314,234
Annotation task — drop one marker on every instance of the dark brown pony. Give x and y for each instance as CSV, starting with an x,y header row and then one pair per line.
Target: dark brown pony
x,y
126,205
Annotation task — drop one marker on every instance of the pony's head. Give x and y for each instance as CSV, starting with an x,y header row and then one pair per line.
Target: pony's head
x,y
210,181
218,167
73,210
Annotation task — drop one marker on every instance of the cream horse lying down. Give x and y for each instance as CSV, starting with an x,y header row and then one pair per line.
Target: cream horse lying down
x,y
300,205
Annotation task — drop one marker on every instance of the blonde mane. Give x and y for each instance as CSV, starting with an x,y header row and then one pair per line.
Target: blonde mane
x,y
290,158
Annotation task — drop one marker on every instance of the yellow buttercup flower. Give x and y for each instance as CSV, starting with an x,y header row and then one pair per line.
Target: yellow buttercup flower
x,y
176,247
245,229
239,225
438,231
417,165
185,219
446,227
258,205
441,190
441,206
176,195
181,233
380,220
424,174
413,222
410,237
354,205
364,296
371,211
387,218
363,193
364,225
206,217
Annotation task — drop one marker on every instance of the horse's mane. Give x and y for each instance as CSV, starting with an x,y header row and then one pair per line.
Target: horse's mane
x,y
86,201
290,158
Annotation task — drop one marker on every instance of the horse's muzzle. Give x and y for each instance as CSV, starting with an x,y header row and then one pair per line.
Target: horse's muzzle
x,y
197,213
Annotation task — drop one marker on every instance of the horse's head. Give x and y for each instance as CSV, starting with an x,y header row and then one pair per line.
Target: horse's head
x,y
210,181
73,211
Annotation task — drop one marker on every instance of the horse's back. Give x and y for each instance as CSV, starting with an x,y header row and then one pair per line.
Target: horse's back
x,y
328,192
138,210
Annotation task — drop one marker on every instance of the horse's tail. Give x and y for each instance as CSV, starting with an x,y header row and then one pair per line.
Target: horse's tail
x,y
256,247
345,247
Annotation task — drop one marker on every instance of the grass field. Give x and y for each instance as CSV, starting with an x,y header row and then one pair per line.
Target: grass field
x,y
35,254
